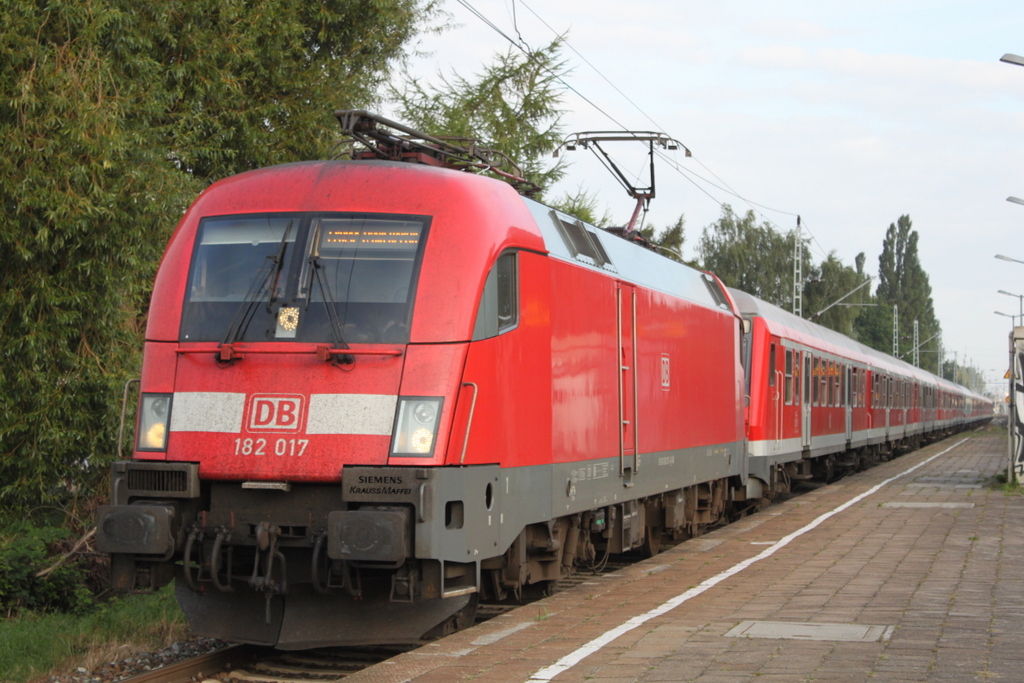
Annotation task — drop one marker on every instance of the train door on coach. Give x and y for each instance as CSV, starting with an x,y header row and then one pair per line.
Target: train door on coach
x,y
805,431
847,402
887,401
628,435
776,381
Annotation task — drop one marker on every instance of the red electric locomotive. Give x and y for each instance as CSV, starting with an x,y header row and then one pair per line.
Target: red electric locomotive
x,y
375,391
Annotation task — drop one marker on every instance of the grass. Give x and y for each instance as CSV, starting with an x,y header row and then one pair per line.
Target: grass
x,y
999,483
34,646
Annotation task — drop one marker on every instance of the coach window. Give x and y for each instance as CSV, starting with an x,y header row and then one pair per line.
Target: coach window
x,y
836,401
796,377
826,386
829,393
835,384
789,377
814,381
842,384
823,381
499,305
839,385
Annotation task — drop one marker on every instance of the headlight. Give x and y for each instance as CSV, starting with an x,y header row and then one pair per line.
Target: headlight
x,y
154,418
416,426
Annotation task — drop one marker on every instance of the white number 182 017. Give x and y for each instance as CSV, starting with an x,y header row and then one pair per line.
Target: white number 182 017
x,y
282,447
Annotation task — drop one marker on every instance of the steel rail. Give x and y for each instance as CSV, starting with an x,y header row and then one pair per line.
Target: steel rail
x,y
203,666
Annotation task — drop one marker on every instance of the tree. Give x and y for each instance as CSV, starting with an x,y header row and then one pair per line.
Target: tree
x,y
512,106
903,283
582,205
670,240
751,257
114,115
834,281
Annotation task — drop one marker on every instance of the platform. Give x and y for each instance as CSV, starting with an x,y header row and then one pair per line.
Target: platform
x,y
911,571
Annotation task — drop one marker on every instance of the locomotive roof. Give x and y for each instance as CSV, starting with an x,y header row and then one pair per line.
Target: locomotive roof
x,y
621,258
785,324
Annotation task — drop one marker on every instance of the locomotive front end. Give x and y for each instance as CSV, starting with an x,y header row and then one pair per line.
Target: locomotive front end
x,y
299,392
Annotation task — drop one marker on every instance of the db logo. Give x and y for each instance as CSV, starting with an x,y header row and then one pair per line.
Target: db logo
x,y
275,413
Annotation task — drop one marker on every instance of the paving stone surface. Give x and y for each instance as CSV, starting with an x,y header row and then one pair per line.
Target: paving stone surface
x,y
945,582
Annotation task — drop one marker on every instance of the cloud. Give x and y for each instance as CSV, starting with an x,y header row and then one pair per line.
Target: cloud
x,y
790,29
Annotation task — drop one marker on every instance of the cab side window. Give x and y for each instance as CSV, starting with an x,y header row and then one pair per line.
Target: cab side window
x,y
499,305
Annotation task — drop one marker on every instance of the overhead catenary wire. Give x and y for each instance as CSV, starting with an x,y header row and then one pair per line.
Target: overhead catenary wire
x,y
685,173
524,50
727,188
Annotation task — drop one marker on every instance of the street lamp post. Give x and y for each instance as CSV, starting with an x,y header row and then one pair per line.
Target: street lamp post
x,y
1012,432
1011,317
1019,297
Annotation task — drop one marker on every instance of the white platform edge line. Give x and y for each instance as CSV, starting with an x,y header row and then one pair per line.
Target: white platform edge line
x,y
575,657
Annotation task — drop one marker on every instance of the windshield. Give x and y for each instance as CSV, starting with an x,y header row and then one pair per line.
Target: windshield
x,y
273,278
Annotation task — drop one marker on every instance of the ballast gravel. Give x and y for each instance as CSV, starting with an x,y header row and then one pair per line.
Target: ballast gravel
x,y
141,662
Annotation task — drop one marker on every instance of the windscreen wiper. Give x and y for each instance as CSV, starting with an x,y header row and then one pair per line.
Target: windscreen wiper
x,y
329,306
268,274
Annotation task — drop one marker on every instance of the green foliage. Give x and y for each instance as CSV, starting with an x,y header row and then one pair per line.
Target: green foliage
x,y
36,644
670,239
513,107
114,115
759,260
834,281
902,282
582,205
873,326
24,552
751,257
249,84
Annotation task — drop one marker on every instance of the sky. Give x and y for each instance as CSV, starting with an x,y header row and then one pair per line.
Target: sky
x,y
848,114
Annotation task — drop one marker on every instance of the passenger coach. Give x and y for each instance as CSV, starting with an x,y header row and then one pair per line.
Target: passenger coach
x,y
823,404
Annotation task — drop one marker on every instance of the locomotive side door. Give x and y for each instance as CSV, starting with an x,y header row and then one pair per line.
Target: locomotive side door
x,y
628,435
805,432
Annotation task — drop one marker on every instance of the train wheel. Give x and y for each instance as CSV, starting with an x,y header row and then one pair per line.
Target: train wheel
x,y
464,618
651,545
